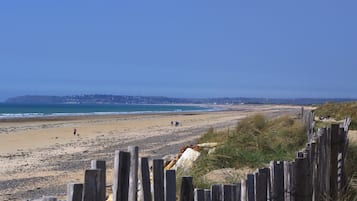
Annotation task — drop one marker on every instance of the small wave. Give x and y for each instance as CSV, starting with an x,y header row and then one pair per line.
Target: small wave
x,y
39,115
20,115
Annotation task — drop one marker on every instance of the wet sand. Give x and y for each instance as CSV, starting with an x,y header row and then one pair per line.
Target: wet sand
x,y
40,156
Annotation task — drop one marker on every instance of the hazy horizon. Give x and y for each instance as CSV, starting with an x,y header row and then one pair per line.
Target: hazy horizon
x,y
189,49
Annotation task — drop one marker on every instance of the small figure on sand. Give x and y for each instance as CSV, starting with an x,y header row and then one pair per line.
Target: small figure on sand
x,y
74,131
175,123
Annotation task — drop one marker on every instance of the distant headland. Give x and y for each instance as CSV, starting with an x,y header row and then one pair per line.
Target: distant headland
x,y
124,99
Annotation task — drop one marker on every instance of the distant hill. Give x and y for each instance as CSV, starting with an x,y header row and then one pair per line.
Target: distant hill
x,y
122,99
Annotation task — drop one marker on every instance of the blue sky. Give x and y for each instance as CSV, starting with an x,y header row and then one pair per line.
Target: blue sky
x,y
285,49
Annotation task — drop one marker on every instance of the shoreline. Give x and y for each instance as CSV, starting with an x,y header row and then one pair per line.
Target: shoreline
x,y
39,157
71,116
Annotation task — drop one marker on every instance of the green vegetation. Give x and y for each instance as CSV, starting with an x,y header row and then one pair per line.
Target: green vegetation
x,y
339,111
254,142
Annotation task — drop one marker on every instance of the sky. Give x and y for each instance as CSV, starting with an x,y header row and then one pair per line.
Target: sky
x,y
186,48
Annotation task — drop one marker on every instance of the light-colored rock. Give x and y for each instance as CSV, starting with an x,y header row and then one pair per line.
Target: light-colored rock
x,y
187,158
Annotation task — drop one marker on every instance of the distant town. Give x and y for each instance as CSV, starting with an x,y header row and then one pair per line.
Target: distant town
x,y
123,99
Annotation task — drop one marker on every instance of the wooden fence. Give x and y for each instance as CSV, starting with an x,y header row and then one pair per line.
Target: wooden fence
x,y
317,173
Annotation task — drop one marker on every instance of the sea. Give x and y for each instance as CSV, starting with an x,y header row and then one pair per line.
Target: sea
x,y
10,111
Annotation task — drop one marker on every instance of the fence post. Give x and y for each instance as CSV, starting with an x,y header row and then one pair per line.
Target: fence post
x,y
216,192
301,183
199,195
323,163
186,193
100,165
91,183
145,179
313,167
343,145
292,180
287,188
250,187
243,190
121,176
208,195
227,193
158,174
260,186
334,153
271,180
268,179
278,181
328,162
238,192
133,178
74,192
235,192
170,185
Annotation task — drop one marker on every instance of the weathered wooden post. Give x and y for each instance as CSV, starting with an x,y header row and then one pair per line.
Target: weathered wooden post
x,y
237,191
74,192
342,150
207,195
287,190
327,173
292,180
302,113
250,187
323,163
186,193
216,192
267,184
302,189
227,193
158,173
100,165
271,181
334,162
313,167
121,176
243,190
145,179
260,186
91,183
170,185
278,181
133,177
199,195
308,154
317,166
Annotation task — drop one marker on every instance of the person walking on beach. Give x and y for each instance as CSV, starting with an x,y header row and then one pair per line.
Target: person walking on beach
x,y
74,131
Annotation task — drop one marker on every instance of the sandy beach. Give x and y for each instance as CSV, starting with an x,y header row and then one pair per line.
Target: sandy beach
x,y
40,156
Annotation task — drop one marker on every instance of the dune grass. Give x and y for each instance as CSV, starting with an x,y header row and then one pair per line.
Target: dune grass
x,y
253,143
257,140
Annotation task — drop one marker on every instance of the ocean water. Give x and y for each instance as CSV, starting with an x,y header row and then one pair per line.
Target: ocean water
x,y
8,111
